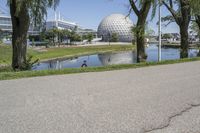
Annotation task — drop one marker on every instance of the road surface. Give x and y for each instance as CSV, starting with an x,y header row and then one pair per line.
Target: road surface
x,y
158,99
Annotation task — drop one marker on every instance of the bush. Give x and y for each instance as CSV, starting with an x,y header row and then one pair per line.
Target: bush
x,y
28,64
114,37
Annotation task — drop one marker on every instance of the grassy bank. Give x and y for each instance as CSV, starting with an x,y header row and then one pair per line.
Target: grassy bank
x,y
52,53
24,74
5,54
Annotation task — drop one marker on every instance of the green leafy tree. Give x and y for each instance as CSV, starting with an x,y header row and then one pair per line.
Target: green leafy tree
x,y
141,8
75,37
1,35
22,13
182,17
90,37
114,37
195,26
149,32
166,36
51,35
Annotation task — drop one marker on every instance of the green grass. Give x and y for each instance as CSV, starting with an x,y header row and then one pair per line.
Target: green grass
x,y
5,54
52,53
25,74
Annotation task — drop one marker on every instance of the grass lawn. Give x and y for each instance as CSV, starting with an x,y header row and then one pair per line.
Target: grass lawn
x,y
25,74
52,53
5,54
6,72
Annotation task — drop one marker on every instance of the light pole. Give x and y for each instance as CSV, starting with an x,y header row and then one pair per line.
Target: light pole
x,y
159,32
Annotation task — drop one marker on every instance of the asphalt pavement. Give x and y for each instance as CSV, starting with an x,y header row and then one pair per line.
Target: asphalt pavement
x,y
158,99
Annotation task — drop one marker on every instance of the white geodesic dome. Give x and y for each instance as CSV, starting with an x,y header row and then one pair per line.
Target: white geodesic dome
x,y
116,23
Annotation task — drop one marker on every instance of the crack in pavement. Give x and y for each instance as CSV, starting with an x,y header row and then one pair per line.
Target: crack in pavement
x,y
191,106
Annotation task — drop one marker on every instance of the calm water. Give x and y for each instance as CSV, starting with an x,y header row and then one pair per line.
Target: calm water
x,y
128,57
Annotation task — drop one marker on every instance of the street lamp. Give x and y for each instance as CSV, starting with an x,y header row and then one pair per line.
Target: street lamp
x,y
159,32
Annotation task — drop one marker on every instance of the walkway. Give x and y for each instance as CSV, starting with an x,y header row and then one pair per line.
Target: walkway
x,y
159,99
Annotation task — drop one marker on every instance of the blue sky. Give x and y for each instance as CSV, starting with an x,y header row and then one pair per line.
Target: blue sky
x,y
89,13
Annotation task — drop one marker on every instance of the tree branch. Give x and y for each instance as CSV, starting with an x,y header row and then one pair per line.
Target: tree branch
x,y
173,12
129,12
144,5
135,9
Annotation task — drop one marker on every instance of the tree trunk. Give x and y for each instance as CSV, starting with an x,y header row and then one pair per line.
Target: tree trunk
x,y
140,39
20,26
184,41
140,31
184,24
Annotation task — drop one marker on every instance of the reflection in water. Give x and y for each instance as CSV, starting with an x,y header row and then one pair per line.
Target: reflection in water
x,y
128,57
117,58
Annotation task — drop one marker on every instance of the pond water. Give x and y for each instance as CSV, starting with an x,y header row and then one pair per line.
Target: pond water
x,y
127,57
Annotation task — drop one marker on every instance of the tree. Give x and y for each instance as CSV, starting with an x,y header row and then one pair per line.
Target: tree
x,y
167,36
114,37
182,17
22,13
1,32
141,8
195,26
74,37
90,37
149,32
51,35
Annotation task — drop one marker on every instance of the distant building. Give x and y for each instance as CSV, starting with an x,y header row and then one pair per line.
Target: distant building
x,y
175,36
60,23
6,25
82,31
118,24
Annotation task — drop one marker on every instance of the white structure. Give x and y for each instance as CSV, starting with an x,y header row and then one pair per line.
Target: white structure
x,y
116,23
5,22
6,25
60,23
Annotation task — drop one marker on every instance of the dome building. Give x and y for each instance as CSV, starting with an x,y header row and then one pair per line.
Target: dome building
x,y
116,23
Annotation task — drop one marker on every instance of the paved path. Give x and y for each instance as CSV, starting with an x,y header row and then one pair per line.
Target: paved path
x,y
160,99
